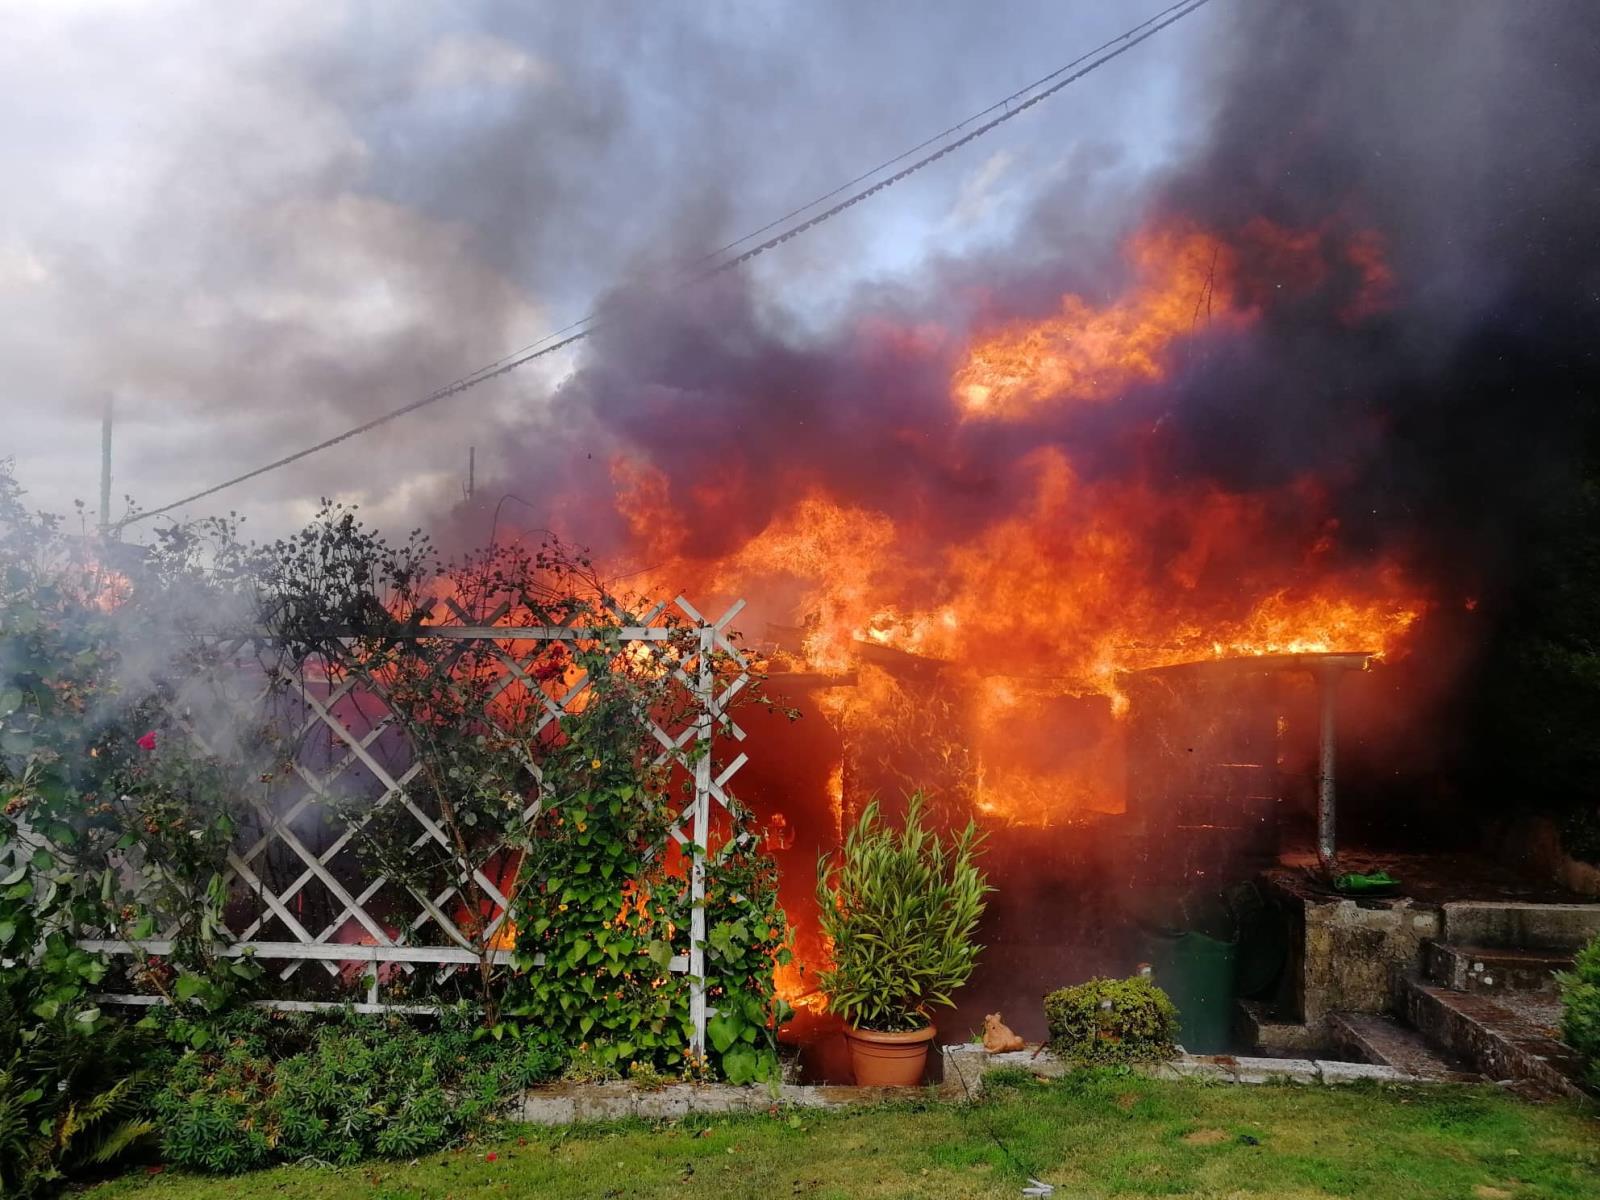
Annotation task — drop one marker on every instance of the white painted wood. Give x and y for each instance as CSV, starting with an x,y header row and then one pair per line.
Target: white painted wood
x,y
692,746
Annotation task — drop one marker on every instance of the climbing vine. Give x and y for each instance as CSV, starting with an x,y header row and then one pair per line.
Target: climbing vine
x,y
125,792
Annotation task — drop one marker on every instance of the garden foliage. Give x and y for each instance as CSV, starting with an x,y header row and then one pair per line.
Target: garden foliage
x,y
901,909
74,1089
124,787
1580,1003
287,1088
1112,1021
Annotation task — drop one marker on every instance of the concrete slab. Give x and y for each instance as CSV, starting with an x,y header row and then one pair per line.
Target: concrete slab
x,y
966,1065
1276,1070
1217,1067
1495,968
1383,1041
1333,1072
565,1104
1521,925
1187,1068
1269,1033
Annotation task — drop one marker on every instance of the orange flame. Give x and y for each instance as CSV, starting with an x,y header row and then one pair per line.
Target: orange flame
x,y
1090,355
1087,574
1185,280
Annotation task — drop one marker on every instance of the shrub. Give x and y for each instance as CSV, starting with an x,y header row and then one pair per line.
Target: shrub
x,y
1580,1003
901,910
72,1097
339,1091
1111,1021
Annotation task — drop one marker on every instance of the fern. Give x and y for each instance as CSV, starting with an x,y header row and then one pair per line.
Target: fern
x,y
123,1138
72,1098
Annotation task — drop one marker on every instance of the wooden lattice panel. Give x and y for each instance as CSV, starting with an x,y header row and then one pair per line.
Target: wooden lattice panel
x,y
299,891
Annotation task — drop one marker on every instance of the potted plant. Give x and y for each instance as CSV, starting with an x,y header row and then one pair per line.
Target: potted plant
x,y
900,909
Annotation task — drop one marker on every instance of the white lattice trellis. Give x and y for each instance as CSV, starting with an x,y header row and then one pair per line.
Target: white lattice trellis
x,y
356,746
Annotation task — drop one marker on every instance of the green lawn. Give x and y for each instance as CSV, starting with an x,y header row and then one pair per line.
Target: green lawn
x,y
1097,1135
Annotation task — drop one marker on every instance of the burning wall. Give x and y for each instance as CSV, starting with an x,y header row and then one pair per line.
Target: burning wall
x,y
971,634
1285,418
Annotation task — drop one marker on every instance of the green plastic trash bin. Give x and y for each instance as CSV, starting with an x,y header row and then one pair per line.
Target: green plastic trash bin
x,y
1197,972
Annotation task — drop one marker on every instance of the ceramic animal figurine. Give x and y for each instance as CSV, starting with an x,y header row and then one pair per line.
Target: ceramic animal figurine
x,y
997,1036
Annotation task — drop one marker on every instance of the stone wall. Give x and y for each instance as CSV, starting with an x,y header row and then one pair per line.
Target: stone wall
x,y
1346,955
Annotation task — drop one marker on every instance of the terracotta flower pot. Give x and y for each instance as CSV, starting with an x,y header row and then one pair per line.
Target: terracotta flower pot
x,y
888,1059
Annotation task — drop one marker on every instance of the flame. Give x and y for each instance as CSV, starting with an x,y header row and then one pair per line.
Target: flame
x,y
1068,588
1086,573
1185,280
98,585
1091,355
977,596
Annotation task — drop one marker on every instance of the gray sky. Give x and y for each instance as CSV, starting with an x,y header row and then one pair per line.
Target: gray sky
x,y
255,225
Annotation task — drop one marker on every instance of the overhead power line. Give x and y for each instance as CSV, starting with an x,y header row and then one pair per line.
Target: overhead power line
x,y
1004,103
1012,106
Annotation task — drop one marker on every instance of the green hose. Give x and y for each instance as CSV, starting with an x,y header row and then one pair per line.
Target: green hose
x,y
1373,882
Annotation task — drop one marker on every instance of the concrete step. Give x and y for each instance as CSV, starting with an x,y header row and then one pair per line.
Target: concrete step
x,y
1511,1036
1268,1033
1494,968
1371,1038
1515,924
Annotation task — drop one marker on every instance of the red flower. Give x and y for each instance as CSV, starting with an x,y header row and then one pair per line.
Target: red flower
x,y
148,741
489,1157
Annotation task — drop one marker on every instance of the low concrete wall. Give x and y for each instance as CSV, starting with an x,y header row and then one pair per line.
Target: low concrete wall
x,y
1564,928
568,1103
967,1066
964,1070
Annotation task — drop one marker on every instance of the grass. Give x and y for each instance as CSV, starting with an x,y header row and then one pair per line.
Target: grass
x,y
1092,1135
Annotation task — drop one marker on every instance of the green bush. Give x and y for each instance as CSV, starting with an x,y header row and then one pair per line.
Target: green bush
x,y
1580,1003
73,1096
1112,1021
901,910
340,1090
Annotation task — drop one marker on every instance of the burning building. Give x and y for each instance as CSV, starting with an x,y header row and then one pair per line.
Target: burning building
x,y
1078,540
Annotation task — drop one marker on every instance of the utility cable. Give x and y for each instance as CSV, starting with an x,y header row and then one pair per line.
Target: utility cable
x,y
544,346
938,137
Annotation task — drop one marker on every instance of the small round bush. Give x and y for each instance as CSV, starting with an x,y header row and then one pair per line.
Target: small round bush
x,y
1112,1021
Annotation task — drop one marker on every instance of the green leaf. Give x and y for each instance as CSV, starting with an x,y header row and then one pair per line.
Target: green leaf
x,y
660,953
723,1030
741,1065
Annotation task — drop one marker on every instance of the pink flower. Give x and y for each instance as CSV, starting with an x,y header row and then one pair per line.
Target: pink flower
x,y
148,741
